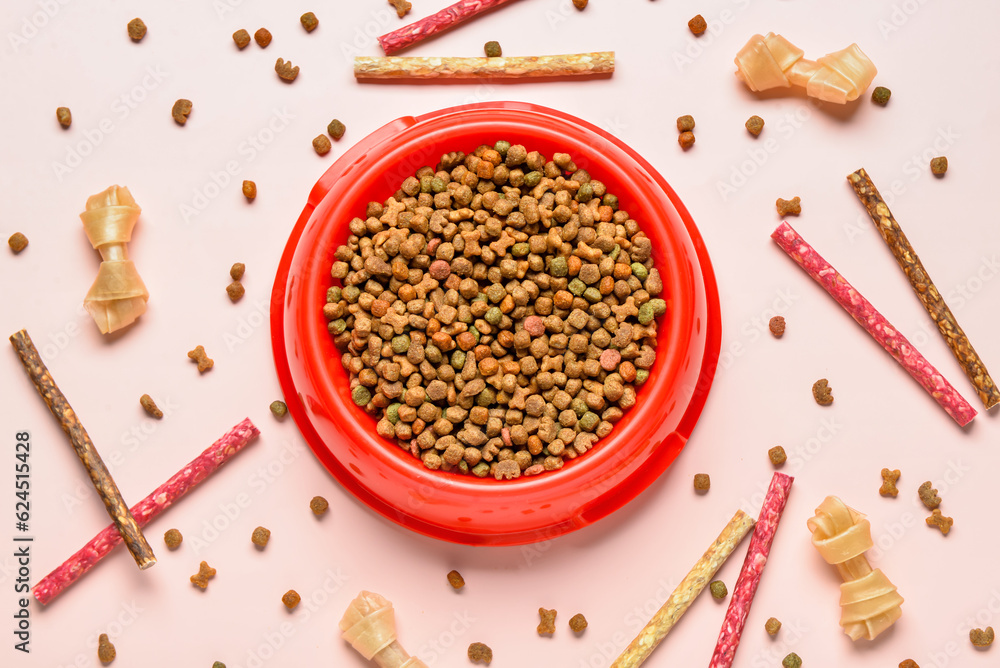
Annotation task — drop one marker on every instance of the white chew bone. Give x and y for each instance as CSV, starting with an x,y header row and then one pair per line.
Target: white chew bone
x,y
118,296
369,624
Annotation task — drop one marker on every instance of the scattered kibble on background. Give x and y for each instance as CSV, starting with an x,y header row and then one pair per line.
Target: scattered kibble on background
x,y
262,37
480,653
291,599
881,95
402,7
105,649
822,392
777,326
685,123
777,455
982,638
578,623
939,521
279,409
455,579
718,589
136,29
242,38
309,21
492,49
939,166
286,71
319,505
336,129
580,4
909,663
260,536
702,482
788,207
249,189
218,664
889,479
321,145
204,361
150,406
698,24
547,625
235,290
17,242
791,661
772,626
173,538
686,140
204,574
754,125
64,116
181,110
928,495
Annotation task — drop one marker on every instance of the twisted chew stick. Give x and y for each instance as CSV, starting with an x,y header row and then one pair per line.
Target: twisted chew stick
x,y
874,323
448,17
753,566
924,287
520,67
85,450
118,296
369,624
685,593
146,510
869,601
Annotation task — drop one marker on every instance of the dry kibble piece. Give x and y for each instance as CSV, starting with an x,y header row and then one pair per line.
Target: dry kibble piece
x,y
181,110
940,521
173,538
136,29
321,145
236,271
981,638
777,455
456,580
242,38
822,392
204,361
319,505
336,129
578,623
698,24
402,7
285,70
881,95
580,4
204,574
791,661
262,37
492,49
939,166
777,326
260,536
150,406
548,623
249,189
309,21
788,207
105,650
686,140
480,653
235,291
291,599
718,589
928,495
17,242
754,125
685,123
772,626
279,409
702,482
908,663
218,664
889,479
64,116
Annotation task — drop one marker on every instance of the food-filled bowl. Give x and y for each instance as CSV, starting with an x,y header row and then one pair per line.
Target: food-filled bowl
x,y
464,508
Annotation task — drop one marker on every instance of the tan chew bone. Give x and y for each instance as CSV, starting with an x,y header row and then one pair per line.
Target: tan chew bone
x,y
369,624
869,601
118,295
771,61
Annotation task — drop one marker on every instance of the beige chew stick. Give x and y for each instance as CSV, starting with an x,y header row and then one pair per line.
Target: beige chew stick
x,y
685,593
518,67
369,624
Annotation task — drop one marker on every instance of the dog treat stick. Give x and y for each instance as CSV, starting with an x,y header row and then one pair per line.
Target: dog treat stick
x,y
771,61
924,288
369,624
753,566
85,450
685,593
164,496
519,67
868,600
448,17
874,323
118,296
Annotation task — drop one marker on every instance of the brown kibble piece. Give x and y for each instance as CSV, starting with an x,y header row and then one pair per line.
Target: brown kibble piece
x,y
777,455
698,24
982,638
754,125
889,479
702,482
249,189
291,599
204,361
480,653
150,406
136,29
17,242
262,37
772,626
686,140
204,574
402,7
928,495
285,70
309,21
242,38
492,49
319,505
822,392
789,207
181,110
456,580
580,4
235,291
548,623
336,129
279,409
105,650
909,663
321,145
940,521
685,123
578,623
260,536
939,166
173,538
236,271
777,326
64,116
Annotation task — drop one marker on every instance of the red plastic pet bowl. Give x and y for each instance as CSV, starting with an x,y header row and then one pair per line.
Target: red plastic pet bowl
x,y
463,508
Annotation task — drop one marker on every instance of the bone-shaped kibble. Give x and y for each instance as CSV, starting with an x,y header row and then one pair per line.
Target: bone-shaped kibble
x,y
771,61
868,600
369,624
118,295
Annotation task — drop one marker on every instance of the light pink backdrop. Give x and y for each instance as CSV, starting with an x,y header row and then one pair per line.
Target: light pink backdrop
x,y
939,58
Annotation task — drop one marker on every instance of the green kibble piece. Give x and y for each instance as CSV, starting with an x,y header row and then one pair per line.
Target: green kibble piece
x,y
579,406
218,664
589,421
487,397
336,326
610,200
881,95
333,295
492,49
425,183
532,179
361,395
558,267
480,470
475,333
577,287
792,661
615,252
520,249
437,185
458,360
585,193
659,306
639,271
336,129
646,314
351,293
279,409
463,466
718,589
400,344
592,295
641,375
392,413
493,316
502,147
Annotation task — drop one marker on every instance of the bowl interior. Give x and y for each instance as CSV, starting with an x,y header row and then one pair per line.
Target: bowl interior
x,y
464,508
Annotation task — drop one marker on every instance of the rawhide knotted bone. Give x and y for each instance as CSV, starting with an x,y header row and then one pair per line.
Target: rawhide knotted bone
x,y
771,61
369,624
869,602
118,296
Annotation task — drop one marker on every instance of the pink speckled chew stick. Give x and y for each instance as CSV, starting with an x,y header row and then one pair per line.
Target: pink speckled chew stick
x,y
418,31
753,566
874,323
162,498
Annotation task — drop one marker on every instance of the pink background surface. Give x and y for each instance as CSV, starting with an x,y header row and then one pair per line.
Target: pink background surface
x,y
935,56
